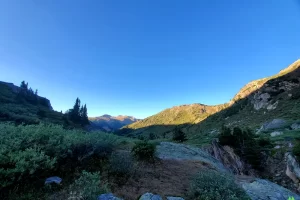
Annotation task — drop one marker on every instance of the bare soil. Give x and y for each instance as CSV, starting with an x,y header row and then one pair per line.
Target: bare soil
x,y
164,177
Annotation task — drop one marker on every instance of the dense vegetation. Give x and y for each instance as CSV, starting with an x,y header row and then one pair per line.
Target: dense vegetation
x,y
212,185
31,153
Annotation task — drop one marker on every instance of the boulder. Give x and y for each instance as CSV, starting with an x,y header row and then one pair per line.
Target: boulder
x,y
295,126
175,198
261,189
53,179
276,133
150,196
174,151
108,196
274,124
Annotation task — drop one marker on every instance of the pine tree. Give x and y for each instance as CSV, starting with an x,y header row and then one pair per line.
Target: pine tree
x,y
84,116
24,85
75,112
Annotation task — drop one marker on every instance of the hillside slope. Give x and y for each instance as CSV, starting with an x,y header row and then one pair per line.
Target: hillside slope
x,y
111,123
19,107
257,102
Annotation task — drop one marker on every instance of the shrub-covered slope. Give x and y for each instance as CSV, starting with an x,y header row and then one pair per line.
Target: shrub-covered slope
x,y
25,106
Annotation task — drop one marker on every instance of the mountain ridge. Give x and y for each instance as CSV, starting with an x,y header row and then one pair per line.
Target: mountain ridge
x,y
190,118
112,123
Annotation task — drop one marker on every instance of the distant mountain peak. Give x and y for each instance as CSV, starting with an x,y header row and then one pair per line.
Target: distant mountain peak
x,y
112,123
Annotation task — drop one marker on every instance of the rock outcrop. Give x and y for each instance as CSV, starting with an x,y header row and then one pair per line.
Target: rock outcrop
x,y
226,155
174,151
260,189
293,169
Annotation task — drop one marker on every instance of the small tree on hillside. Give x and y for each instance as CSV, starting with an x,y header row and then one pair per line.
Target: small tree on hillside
x,y
179,135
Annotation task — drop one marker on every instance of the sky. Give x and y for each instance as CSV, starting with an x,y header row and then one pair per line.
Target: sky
x,y
139,57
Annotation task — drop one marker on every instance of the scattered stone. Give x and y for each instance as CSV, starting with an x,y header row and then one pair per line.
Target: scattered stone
x,y
53,179
108,196
150,196
277,147
276,133
175,198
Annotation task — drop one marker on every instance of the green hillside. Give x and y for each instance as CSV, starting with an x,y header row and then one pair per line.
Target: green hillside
x,y
256,103
25,108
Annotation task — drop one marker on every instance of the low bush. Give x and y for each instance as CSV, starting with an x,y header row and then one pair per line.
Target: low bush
x,y
87,186
212,185
121,164
144,150
179,136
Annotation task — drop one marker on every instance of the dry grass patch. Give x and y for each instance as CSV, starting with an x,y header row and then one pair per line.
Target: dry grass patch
x,y
165,177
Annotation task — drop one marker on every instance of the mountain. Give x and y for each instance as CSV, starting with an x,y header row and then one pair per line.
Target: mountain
x,y
111,123
256,103
24,106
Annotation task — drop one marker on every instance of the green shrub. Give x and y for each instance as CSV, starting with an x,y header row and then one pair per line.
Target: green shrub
x,y
121,164
296,148
87,186
212,185
29,151
144,150
179,136
20,164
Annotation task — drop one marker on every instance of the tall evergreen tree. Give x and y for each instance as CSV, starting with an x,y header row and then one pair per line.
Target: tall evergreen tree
x,y
75,112
84,116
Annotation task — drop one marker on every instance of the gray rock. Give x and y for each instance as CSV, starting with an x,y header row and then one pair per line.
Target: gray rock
x,y
175,198
108,196
293,168
265,190
274,124
174,151
295,126
276,133
150,196
53,179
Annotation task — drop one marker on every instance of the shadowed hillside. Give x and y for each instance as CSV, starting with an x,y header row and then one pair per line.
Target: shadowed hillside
x,y
25,106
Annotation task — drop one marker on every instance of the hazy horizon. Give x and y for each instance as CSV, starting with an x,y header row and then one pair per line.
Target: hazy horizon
x,y
137,58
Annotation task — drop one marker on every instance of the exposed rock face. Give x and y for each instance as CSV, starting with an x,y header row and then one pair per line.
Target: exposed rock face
x,y
260,100
260,189
226,155
174,151
150,196
293,169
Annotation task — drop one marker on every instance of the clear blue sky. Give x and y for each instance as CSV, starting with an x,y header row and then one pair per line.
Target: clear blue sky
x,y
140,57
